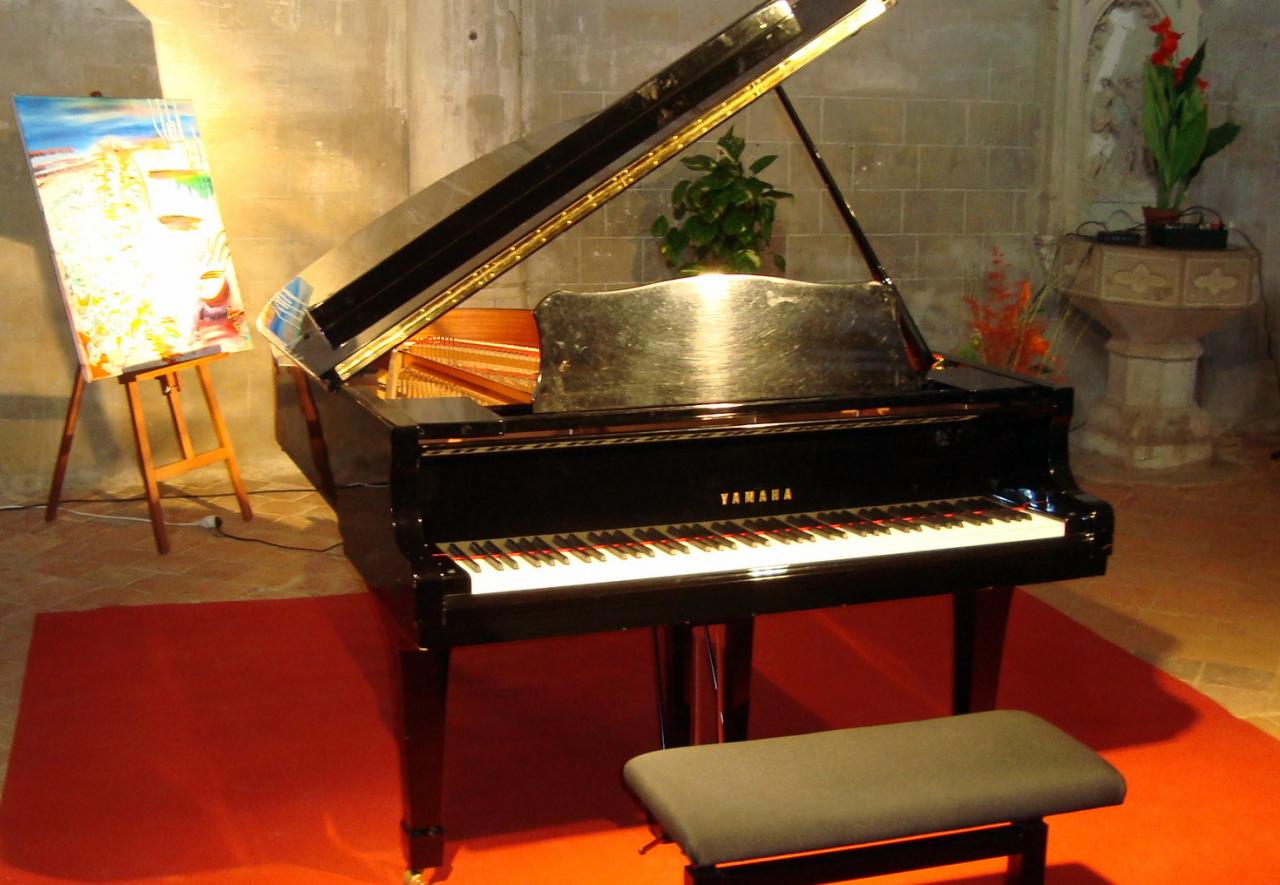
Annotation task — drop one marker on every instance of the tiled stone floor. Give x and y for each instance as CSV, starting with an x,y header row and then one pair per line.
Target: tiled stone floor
x,y
1193,586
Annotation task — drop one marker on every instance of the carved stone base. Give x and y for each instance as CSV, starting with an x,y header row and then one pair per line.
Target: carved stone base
x,y
1149,418
1156,303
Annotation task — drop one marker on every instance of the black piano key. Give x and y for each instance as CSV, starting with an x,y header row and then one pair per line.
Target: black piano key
x,y
824,528
634,543
887,521
667,542
575,550
791,531
686,535
716,539
521,549
617,542
493,551
480,553
548,552
969,512
1000,512
552,551
654,541
852,523
760,527
807,525
602,544
462,558
586,548
922,516
739,534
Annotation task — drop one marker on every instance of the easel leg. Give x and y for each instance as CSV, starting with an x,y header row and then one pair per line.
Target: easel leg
x,y
224,440
145,465
64,450
172,390
980,618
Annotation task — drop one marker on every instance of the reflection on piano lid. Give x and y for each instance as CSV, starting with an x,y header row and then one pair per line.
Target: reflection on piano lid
x,y
437,249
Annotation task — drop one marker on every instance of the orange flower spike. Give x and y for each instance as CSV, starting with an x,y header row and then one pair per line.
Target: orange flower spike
x,y
1024,296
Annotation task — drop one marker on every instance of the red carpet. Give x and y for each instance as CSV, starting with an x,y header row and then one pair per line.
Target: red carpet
x,y
249,742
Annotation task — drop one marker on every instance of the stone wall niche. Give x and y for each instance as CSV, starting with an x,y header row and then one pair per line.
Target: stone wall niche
x,y
1097,142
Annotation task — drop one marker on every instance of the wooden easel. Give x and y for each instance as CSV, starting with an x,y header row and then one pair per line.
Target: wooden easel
x,y
152,474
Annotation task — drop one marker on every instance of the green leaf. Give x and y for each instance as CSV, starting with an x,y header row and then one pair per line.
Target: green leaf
x,y
678,192
700,232
1192,71
780,262
763,163
1218,138
731,144
735,222
659,227
699,162
676,240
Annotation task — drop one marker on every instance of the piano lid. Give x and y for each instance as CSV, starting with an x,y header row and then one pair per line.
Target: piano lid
x,y
442,245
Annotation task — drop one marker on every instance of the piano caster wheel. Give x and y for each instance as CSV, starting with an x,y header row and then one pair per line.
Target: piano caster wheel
x,y
414,878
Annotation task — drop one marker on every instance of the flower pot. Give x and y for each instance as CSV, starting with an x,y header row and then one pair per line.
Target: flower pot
x,y
1154,217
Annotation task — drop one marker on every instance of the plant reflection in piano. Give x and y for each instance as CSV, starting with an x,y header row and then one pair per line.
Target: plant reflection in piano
x,y
723,219
1009,324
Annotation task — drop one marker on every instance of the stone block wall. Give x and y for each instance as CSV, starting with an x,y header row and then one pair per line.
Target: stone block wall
x,y
929,120
1240,371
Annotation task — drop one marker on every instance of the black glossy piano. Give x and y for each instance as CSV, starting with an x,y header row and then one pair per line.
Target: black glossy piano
x,y
698,451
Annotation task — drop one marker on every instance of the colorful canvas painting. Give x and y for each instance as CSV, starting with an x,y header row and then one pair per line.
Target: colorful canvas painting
x,y
139,244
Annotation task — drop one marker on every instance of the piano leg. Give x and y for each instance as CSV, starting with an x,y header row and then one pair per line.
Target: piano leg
x,y
980,617
735,678
675,647
677,685
424,676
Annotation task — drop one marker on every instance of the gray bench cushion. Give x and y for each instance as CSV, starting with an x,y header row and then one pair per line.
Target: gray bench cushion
x,y
758,798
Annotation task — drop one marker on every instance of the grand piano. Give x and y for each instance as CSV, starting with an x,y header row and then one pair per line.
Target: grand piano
x,y
699,451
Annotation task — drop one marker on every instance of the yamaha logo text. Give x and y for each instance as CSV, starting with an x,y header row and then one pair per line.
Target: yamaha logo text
x,y
755,496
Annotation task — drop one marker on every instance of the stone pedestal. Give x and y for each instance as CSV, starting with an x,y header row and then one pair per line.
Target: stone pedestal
x,y
1156,303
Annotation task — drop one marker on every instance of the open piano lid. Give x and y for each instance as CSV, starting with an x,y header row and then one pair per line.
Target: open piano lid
x,y
447,242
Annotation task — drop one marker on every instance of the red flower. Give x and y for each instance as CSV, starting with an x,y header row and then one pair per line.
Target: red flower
x,y
1182,69
1169,38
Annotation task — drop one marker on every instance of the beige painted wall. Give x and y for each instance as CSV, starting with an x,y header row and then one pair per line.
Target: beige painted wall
x,y
320,114
301,105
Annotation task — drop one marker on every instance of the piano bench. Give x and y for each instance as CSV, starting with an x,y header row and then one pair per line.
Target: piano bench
x,y
734,808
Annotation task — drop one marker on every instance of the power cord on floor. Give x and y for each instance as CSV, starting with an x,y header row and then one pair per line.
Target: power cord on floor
x,y
215,523
207,522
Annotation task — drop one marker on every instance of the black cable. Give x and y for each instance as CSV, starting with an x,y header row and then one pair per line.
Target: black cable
x,y
217,529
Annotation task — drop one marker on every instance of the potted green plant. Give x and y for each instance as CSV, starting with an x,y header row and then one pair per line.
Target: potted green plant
x,y
1175,119
722,220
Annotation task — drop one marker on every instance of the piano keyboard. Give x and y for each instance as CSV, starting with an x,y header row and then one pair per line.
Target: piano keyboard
x,y
758,546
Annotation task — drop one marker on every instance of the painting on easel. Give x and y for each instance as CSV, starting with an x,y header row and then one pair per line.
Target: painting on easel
x,y
137,238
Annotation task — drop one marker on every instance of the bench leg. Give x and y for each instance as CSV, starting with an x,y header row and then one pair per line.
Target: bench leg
x,y
1027,868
